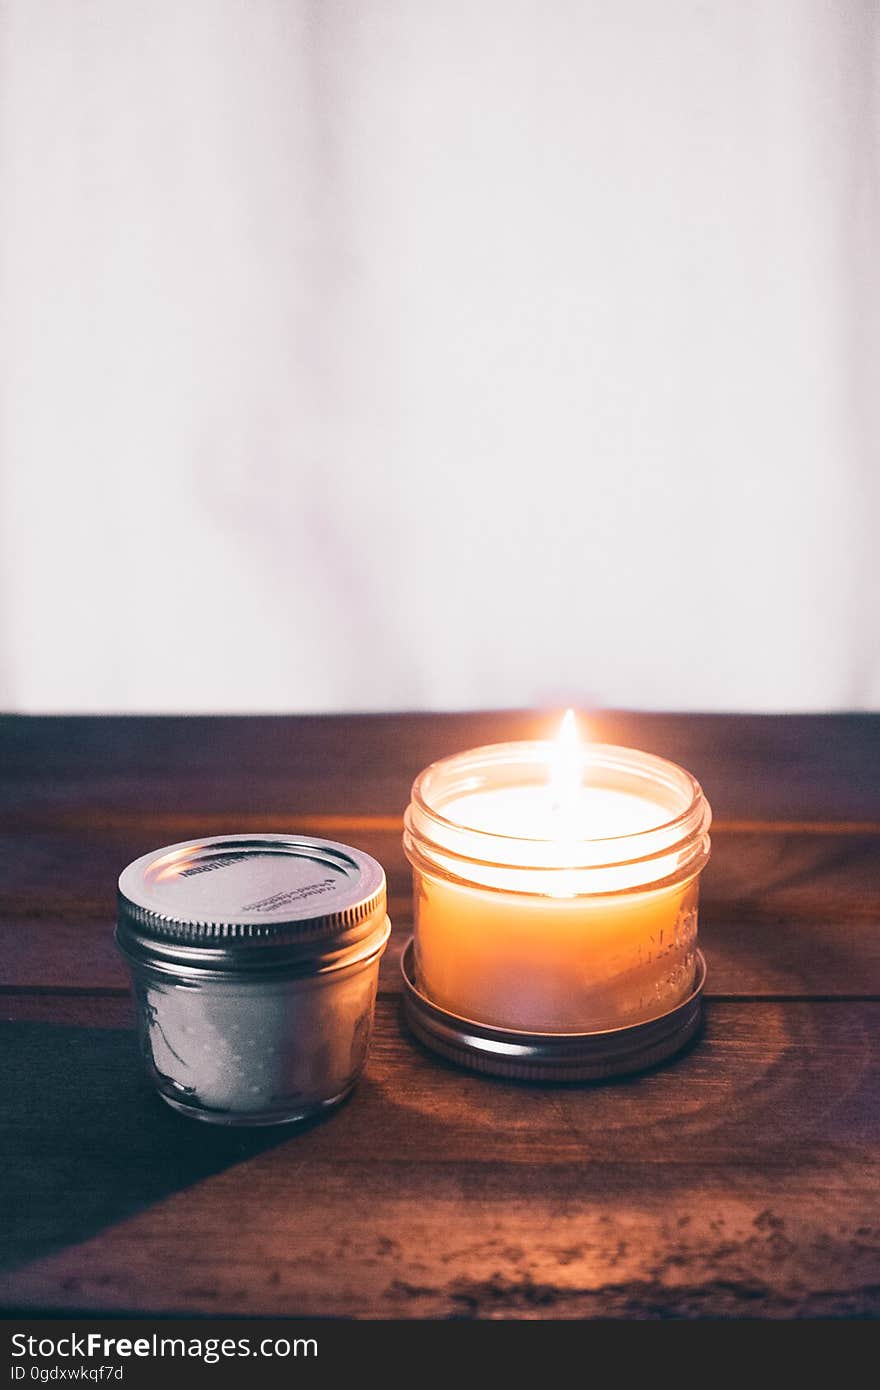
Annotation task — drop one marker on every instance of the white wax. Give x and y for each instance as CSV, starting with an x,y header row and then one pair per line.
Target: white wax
x,y
240,1048
530,812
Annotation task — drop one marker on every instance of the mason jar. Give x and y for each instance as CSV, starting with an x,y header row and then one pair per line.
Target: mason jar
x,y
560,946
254,962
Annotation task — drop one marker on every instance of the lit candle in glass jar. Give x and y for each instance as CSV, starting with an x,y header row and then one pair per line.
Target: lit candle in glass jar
x,y
556,886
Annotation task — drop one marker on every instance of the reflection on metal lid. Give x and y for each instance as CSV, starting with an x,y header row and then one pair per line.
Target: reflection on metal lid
x,y
251,890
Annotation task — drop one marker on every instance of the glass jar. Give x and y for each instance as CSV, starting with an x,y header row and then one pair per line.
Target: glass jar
x,y
254,961
566,934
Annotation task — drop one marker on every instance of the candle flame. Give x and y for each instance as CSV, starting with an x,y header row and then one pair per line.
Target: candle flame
x,y
566,771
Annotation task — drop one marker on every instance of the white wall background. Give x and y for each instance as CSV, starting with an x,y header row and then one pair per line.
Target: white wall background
x,y
393,353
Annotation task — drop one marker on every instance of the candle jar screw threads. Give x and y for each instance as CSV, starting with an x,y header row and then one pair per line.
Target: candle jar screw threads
x,y
254,961
560,933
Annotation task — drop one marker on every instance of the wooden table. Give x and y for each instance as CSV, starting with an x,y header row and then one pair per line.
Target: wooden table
x,y
740,1180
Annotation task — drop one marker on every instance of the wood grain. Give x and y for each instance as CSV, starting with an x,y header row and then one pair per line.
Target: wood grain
x,y
742,1179
794,960
752,767
782,912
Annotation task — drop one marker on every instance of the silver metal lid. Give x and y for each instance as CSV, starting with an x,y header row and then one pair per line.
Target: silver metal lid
x,y
550,1056
243,897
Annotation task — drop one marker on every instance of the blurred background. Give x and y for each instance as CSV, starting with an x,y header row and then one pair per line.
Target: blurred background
x,y
398,354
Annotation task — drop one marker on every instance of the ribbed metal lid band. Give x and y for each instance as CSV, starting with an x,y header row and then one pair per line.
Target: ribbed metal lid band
x,y
287,960
215,933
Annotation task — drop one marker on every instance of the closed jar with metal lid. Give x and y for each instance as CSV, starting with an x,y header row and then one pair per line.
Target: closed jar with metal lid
x,y
254,961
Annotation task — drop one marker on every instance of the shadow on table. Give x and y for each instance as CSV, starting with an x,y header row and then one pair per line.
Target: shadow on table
x,y
86,1142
